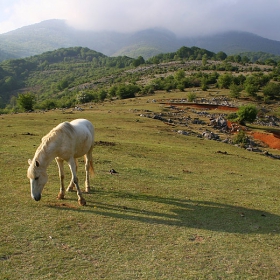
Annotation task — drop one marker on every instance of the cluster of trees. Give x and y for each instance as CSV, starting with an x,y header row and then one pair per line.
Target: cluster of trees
x,y
251,84
121,91
193,53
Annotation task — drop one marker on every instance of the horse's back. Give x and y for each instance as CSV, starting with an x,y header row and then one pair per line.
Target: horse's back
x,y
84,136
81,124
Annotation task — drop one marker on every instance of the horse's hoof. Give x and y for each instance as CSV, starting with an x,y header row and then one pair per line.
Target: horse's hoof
x,y
87,190
82,201
60,196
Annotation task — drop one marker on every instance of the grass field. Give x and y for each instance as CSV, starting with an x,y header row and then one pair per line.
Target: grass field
x,y
176,209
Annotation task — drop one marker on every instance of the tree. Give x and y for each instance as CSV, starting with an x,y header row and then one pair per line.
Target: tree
x,y
245,59
138,61
204,59
272,90
221,56
102,95
204,85
247,113
26,101
251,89
48,104
63,84
224,81
127,91
180,75
251,85
237,58
235,90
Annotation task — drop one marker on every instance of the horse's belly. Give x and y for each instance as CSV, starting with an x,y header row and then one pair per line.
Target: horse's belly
x,y
82,147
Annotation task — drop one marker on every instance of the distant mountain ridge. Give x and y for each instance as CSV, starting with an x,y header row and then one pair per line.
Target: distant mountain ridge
x,y
53,34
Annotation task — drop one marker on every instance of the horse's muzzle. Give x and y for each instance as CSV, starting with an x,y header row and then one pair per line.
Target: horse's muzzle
x,y
37,197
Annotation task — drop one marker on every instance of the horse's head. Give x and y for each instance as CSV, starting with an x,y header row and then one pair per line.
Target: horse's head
x,y
38,178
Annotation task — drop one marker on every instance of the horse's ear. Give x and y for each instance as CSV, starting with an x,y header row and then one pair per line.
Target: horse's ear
x,y
29,161
37,163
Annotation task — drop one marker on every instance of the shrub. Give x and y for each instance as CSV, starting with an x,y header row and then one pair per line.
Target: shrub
x,y
247,113
191,97
232,116
271,91
235,90
127,91
26,101
251,90
240,138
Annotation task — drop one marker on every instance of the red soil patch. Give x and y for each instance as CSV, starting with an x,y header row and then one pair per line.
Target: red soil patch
x,y
272,140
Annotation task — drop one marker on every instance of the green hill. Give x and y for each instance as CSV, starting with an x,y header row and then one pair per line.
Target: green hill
x,y
54,34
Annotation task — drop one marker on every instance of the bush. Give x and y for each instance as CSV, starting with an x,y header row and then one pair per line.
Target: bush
x,y
235,90
127,91
48,104
272,91
225,80
251,90
191,97
232,116
26,101
240,138
247,113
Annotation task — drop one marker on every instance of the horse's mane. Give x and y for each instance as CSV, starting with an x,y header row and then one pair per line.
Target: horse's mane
x,y
54,134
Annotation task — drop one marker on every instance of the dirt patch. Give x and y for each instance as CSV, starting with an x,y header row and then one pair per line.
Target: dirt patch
x,y
203,106
105,143
29,134
272,140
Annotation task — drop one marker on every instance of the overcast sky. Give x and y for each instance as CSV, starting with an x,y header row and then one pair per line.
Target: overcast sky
x,y
183,17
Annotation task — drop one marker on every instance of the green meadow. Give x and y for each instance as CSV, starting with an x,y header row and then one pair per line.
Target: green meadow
x,y
177,208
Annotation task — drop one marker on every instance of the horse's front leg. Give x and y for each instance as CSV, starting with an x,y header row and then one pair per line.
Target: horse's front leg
x,y
61,193
72,165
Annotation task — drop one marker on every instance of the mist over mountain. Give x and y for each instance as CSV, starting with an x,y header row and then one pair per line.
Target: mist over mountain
x,y
53,34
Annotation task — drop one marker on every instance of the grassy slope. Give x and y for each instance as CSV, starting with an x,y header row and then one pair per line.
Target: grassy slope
x,y
177,209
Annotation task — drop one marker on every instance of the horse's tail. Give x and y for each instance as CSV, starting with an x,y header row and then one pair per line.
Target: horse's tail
x,y
90,162
91,168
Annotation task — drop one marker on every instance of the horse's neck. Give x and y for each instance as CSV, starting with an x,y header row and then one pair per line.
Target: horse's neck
x,y
45,154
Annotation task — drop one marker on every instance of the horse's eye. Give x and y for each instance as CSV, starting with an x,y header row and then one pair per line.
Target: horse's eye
x,y
36,178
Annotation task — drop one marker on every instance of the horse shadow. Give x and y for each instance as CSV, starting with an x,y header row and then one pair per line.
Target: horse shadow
x,y
187,213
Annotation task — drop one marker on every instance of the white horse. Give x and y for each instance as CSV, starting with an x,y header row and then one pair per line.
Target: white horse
x,y
67,141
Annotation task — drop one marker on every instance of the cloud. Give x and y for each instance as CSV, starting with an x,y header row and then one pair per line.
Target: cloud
x,y
183,17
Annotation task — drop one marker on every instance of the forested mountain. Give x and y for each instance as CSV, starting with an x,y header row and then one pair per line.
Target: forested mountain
x,y
54,71
53,34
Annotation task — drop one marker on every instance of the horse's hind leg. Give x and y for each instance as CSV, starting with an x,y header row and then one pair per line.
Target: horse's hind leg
x,y
73,168
88,168
61,193
71,186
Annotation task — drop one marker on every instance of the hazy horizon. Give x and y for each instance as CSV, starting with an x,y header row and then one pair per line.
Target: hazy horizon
x,y
185,18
